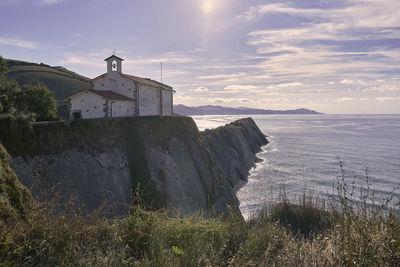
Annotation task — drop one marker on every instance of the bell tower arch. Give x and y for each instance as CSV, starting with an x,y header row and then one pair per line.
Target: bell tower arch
x,y
114,64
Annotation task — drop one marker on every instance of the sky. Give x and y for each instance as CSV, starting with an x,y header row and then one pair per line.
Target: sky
x,y
333,56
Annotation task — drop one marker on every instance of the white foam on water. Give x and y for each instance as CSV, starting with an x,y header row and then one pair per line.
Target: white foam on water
x,y
303,154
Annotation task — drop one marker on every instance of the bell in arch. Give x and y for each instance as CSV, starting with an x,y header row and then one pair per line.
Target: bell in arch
x,y
114,66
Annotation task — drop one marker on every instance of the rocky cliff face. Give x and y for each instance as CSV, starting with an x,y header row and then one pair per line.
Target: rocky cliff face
x,y
166,160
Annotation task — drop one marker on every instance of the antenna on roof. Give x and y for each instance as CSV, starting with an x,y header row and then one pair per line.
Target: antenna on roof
x,y
161,69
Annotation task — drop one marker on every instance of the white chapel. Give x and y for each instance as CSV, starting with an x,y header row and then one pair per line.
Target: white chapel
x,y
114,94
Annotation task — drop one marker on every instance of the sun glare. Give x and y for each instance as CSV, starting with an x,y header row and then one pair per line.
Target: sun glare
x,y
208,6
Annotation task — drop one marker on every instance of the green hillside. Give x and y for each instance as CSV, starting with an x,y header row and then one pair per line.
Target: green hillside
x,y
58,79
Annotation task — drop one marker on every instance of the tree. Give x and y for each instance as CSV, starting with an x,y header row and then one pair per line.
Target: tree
x,y
39,100
3,66
9,95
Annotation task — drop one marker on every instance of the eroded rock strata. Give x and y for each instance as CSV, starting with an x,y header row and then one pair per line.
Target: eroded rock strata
x,y
168,161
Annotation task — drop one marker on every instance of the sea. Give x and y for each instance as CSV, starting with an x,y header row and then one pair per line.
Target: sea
x,y
311,154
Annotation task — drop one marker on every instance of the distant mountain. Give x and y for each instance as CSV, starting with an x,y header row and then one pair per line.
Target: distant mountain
x,y
59,80
218,110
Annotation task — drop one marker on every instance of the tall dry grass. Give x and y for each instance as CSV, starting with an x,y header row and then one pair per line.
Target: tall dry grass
x,y
354,227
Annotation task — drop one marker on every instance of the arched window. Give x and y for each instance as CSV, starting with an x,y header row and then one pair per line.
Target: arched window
x,y
114,66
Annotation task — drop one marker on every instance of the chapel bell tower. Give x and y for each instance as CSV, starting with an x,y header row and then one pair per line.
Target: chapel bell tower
x,y
114,64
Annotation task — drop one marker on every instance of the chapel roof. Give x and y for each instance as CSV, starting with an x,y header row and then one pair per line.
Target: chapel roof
x,y
140,80
110,95
104,93
113,56
147,81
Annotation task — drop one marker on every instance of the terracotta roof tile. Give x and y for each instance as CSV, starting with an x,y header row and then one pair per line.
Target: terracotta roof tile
x,y
103,93
148,82
110,95
140,80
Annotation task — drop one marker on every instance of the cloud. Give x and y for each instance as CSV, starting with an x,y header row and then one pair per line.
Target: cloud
x,y
256,11
284,85
385,98
50,2
18,42
352,82
175,57
170,59
382,88
73,59
344,99
178,97
201,89
238,87
221,76
231,100
359,38
357,13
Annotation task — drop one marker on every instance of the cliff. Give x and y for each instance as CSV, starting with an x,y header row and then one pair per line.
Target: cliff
x,y
15,199
166,159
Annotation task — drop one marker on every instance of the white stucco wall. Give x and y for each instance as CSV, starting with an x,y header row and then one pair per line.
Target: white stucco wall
x,y
166,102
148,96
149,100
115,82
122,108
90,105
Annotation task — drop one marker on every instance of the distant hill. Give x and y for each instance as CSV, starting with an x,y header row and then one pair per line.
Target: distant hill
x,y
218,110
59,80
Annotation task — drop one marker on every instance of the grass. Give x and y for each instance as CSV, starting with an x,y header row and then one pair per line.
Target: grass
x,y
307,233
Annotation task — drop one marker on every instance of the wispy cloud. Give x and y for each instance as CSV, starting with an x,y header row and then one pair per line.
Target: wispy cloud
x,y
256,11
356,39
50,2
74,59
385,98
357,13
201,89
343,99
236,87
382,88
353,82
18,42
221,76
284,85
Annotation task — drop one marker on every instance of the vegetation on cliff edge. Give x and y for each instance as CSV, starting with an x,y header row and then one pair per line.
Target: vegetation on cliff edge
x,y
346,232
59,80
27,99
15,199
